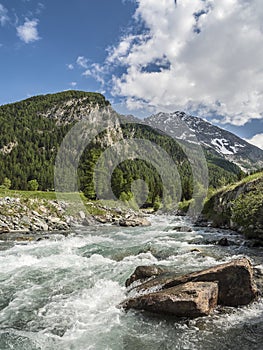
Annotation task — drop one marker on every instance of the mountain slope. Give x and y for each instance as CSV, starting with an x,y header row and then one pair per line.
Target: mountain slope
x,y
32,131
218,141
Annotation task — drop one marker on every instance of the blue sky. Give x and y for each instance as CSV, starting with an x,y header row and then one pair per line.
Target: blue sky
x,y
204,56
66,30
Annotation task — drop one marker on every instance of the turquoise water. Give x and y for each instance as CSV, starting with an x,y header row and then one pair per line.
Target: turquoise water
x,y
62,292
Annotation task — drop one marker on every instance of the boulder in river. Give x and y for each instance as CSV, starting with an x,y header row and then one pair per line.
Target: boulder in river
x,y
134,221
182,229
142,273
191,299
223,242
234,281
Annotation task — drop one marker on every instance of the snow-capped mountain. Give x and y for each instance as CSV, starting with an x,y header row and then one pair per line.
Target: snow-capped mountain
x,y
193,129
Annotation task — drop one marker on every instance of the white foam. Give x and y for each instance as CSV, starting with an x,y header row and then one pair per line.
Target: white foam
x,y
67,296
89,312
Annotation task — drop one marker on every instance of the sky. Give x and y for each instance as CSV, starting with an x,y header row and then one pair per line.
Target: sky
x,y
204,57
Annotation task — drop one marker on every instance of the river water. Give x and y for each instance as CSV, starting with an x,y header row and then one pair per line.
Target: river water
x,y
62,292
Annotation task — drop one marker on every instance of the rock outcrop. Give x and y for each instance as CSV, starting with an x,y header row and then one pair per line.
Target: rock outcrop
x,y
239,207
193,294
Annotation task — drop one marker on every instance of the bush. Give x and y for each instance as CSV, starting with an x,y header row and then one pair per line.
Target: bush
x,y
33,185
7,183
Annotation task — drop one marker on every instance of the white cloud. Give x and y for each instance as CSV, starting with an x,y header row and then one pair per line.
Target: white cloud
x,y
70,66
201,55
257,140
28,31
3,15
73,84
40,8
97,72
119,53
82,62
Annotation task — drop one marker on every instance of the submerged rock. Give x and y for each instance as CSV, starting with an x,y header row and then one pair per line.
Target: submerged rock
x,y
182,229
191,299
223,242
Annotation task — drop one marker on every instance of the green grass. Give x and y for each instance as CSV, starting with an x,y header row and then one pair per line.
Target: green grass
x,y
27,194
231,187
184,206
92,207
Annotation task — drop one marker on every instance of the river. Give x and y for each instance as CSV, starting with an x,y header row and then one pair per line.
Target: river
x,y
61,293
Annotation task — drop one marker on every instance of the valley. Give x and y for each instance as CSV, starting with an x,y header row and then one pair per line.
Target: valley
x,y
171,192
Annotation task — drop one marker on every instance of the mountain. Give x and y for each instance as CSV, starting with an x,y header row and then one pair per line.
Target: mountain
x,y
32,131
220,142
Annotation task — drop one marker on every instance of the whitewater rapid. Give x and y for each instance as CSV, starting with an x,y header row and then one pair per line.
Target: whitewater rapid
x,y
63,292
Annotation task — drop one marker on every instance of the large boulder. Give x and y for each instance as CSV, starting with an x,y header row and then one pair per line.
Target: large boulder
x,y
134,221
191,299
235,282
143,272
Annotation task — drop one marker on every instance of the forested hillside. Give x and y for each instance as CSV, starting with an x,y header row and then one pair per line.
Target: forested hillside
x,y
32,131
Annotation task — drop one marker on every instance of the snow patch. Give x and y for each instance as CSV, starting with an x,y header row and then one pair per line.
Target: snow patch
x,y
221,146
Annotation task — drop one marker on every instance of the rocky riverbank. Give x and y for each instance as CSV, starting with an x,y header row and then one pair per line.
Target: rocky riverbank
x,y
239,207
33,214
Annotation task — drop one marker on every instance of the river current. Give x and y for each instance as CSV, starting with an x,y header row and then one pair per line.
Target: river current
x,y
62,293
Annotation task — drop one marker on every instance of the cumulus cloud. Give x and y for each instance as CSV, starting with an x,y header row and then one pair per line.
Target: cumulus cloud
x,y
82,62
257,140
28,31
3,15
73,84
203,56
70,66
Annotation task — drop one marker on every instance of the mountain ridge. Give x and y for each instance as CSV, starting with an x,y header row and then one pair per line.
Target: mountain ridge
x,y
189,128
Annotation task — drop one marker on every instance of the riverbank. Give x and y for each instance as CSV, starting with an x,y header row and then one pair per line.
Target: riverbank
x,y
40,211
238,207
